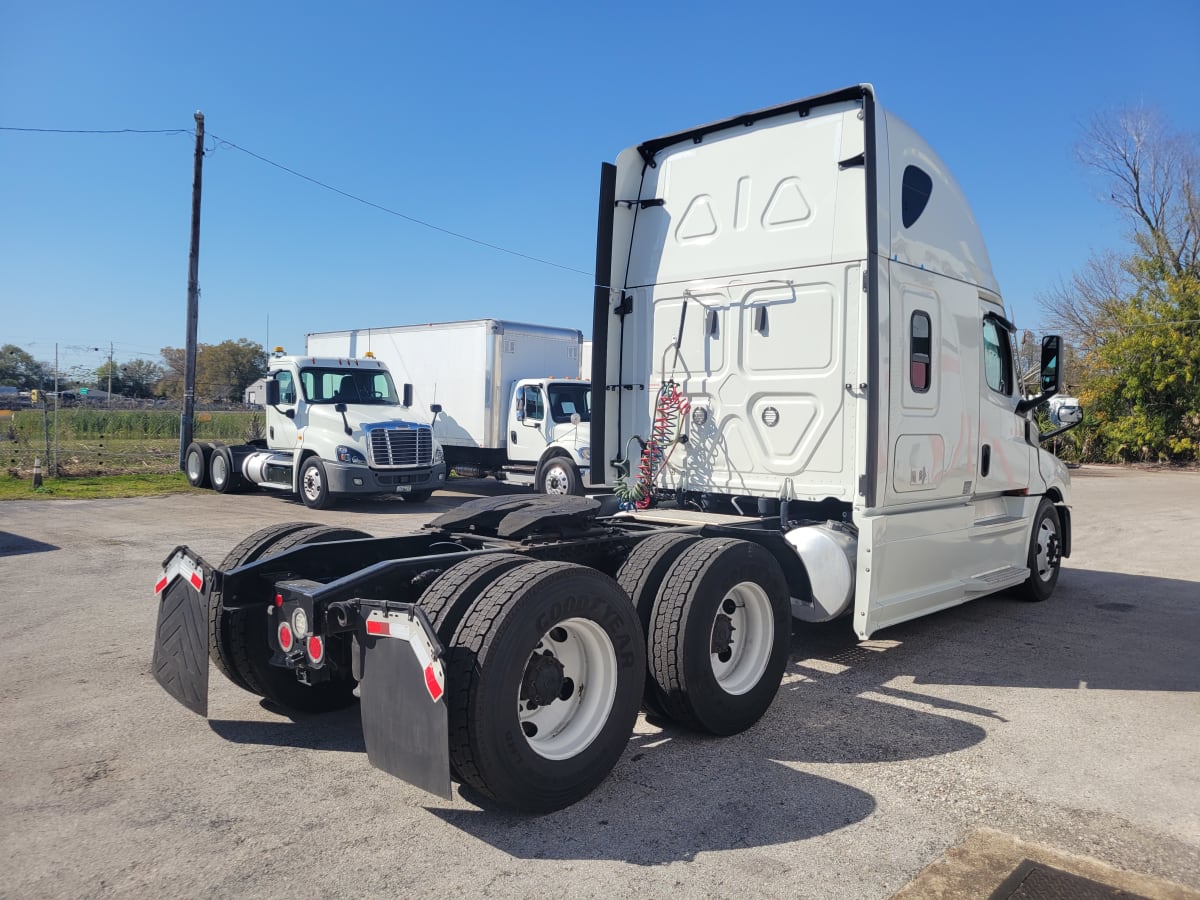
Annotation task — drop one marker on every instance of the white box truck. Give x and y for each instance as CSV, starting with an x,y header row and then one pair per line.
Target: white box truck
x,y
508,398
807,404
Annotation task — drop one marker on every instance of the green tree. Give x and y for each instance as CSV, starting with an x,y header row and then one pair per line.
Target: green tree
x,y
223,371
1133,315
20,370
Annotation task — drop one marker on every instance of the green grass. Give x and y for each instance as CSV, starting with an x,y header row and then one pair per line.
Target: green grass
x,y
105,487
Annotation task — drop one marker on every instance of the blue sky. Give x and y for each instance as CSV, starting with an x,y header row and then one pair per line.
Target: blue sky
x,y
492,121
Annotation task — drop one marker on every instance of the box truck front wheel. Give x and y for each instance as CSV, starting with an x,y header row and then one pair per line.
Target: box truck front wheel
x,y
719,635
1045,553
195,463
251,653
558,476
544,681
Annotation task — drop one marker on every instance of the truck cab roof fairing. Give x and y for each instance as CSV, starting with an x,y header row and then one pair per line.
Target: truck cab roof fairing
x,y
938,231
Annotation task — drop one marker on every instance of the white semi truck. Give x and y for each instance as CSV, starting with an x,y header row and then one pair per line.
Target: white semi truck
x,y
336,428
807,408
506,397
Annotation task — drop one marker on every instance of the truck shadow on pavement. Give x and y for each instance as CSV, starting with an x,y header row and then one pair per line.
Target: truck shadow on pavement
x,y
843,702
16,545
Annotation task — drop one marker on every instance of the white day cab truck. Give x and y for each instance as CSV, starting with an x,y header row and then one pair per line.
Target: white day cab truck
x,y
506,397
807,409
335,428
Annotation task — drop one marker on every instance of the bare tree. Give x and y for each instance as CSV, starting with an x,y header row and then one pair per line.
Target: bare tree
x,y
1151,177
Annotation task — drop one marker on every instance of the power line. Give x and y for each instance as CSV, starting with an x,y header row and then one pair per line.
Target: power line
x,y
99,130
220,141
389,211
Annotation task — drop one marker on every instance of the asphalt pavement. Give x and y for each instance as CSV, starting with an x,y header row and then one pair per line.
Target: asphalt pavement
x,y
1071,726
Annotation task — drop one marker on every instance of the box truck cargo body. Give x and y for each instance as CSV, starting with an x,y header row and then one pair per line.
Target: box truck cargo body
x,y
507,393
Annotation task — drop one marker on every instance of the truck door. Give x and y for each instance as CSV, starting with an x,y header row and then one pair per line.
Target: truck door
x,y
282,428
1005,455
527,424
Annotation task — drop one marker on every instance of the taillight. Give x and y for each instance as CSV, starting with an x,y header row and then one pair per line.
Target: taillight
x,y
285,637
316,649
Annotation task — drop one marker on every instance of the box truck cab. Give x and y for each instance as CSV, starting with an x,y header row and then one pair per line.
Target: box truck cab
x,y
335,428
549,434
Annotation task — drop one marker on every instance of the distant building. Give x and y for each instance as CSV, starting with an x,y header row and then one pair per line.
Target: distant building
x,y
256,394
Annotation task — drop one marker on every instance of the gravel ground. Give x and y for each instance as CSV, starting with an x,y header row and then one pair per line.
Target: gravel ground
x,y
1071,725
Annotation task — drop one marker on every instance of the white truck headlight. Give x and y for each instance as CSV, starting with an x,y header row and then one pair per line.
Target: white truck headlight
x,y
439,455
585,453
350,455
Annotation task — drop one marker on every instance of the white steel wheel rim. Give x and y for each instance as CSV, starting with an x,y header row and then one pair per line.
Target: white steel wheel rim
x,y
563,729
556,479
1047,533
219,471
312,483
195,465
748,609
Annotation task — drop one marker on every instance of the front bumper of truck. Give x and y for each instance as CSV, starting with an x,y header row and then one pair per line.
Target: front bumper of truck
x,y
347,478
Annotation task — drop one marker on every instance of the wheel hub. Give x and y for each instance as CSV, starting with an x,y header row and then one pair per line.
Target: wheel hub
x,y
722,636
543,682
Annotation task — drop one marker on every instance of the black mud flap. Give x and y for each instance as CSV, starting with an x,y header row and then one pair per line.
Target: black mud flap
x,y
402,698
180,661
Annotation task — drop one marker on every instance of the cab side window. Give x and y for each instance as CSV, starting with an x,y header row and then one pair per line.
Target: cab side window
x,y
287,388
997,357
529,401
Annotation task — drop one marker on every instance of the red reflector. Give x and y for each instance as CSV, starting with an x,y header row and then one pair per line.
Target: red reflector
x,y
197,581
279,599
285,637
316,648
431,682
378,626
162,583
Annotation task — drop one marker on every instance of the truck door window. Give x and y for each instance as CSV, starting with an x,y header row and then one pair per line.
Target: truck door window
x,y
997,358
287,388
532,404
920,358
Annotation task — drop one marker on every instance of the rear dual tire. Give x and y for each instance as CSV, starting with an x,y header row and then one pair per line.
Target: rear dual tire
x,y
718,639
545,673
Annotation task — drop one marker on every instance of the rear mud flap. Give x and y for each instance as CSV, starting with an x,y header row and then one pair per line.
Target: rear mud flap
x,y
404,717
180,662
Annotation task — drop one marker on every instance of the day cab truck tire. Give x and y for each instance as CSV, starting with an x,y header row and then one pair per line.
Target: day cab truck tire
x,y
223,471
196,462
314,485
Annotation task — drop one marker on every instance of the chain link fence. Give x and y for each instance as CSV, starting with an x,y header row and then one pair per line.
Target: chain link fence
x,y
81,440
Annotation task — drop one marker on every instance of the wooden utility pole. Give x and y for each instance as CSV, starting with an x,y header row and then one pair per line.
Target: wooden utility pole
x,y
193,299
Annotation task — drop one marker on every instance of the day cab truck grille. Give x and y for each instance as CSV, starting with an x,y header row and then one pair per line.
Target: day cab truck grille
x,y
392,447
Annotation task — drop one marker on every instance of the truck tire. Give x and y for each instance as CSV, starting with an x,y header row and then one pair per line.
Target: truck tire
x,y
453,592
557,476
255,547
720,634
251,650
1045,554
195,463
641,576
314,486
223,472
543,684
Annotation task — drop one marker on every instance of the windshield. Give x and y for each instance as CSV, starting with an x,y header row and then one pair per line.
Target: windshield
x,y
371,386
568,398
